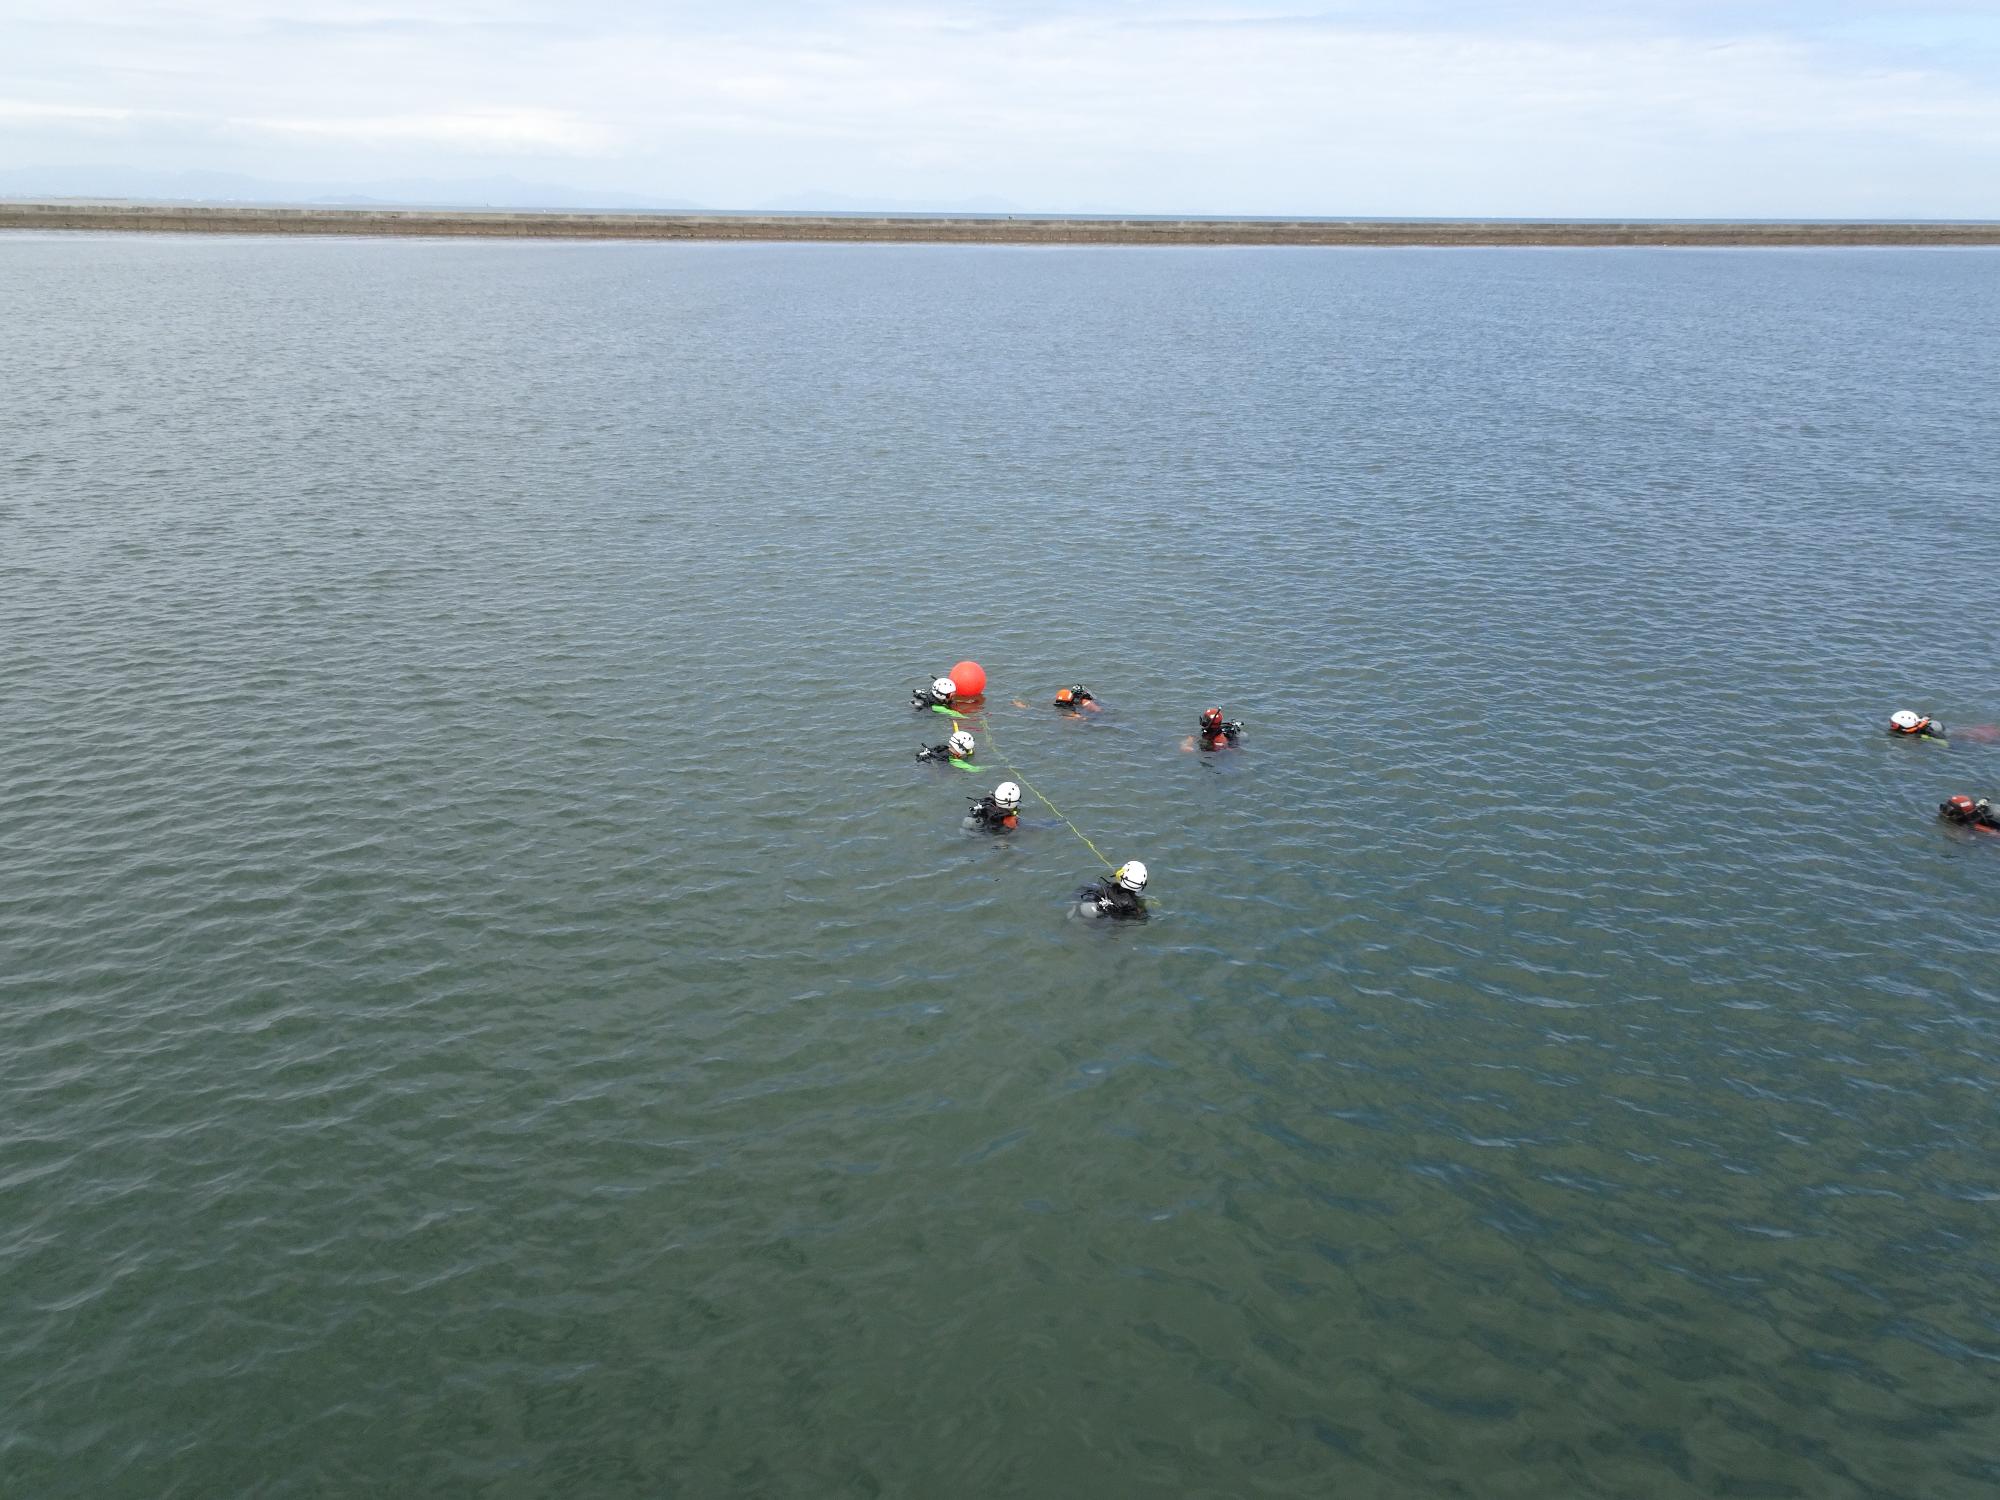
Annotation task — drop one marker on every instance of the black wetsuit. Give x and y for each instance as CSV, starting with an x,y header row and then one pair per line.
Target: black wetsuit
x,y
991,816
1979,816
1110,899
935,752
923,700
1222,736
1929,730
1076,699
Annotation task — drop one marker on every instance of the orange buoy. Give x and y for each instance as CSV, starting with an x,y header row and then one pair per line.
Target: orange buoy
x,y
969,678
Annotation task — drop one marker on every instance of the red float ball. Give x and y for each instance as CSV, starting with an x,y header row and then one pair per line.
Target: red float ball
x,y
969,678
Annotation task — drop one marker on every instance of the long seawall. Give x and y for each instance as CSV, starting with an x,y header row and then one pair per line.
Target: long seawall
x,y
994,229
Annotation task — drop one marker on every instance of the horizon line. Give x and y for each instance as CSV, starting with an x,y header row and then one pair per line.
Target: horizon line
x,y
526,221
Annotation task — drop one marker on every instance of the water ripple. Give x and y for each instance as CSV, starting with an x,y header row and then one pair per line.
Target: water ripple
x,y
490,1006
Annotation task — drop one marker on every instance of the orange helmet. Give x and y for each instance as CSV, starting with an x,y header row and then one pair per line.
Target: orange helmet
x,y
1211,718
1062,695
1962,802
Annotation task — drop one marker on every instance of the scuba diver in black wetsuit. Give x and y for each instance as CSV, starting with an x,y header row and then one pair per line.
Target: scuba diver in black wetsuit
x,y
1076,699
1905,725
958,747
1963,811
938,695
997,811
1117,894
1218,733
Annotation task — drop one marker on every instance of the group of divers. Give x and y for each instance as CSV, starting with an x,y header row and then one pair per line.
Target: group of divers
x,y
1961,809
1119,895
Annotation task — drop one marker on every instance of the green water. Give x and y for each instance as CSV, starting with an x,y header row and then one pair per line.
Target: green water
x,y
489,1005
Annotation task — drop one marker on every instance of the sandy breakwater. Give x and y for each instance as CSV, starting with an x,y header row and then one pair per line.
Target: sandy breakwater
x,y
984,229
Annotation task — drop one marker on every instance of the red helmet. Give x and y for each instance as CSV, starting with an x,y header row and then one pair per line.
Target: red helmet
x,y
1962,802
1211,718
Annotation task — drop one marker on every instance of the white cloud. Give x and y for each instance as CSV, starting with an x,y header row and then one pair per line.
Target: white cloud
x,y
28,111
510,130
1062,104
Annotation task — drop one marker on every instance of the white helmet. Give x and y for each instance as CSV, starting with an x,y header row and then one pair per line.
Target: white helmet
x,y
960,743
944,687
1131,875
1904,719
1007,795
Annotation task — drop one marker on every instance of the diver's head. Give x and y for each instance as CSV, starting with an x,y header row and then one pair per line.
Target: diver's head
x,y
1211,719
960,744
1065,695
1131,875
944,688
1906,721
1006,796
1960,806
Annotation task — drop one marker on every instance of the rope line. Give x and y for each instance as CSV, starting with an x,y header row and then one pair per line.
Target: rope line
x,y
986,723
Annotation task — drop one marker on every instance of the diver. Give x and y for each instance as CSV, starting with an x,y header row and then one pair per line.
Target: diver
x,y
1218,733
1076,699
938,695
997,811
1116,895
1962,810
958,747
1906,725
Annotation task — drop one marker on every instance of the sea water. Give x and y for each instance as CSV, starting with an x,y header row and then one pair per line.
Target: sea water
x,y
491,1006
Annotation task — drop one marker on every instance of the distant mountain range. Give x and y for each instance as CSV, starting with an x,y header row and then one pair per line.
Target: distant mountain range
x,y
421,192
842,203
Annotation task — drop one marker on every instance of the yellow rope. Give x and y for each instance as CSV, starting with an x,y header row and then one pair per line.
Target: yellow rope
x,y
986,723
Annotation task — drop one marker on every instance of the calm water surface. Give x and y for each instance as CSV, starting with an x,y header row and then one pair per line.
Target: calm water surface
x,y
490,1007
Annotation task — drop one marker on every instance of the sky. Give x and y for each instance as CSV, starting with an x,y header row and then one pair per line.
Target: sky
x,y
1668,108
